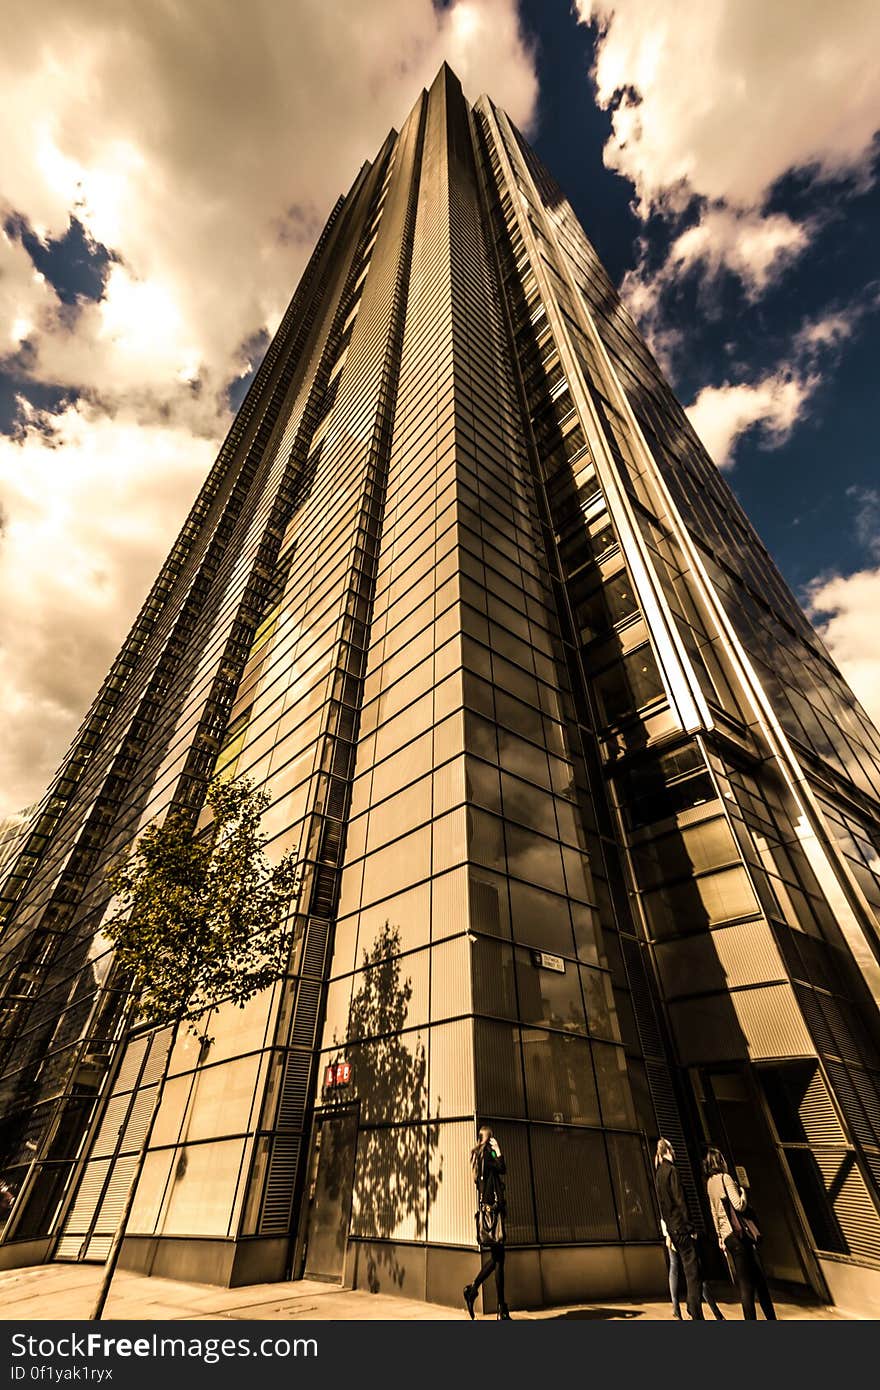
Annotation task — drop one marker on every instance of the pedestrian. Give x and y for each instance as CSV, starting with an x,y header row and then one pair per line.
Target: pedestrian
x,y
676,1279
488,1168
674,1213
738,1234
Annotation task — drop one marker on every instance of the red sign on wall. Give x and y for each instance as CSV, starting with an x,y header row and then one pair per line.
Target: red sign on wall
x,y
337,1074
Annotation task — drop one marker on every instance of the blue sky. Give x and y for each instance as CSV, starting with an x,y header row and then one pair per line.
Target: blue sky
x,y
168,172
806,494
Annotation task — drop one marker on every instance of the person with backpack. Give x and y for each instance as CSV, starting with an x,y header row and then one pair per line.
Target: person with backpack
x,y
678,1225
488,1168
738,1235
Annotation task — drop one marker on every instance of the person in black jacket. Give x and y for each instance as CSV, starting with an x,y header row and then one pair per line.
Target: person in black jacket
x,y
674,1212
488,1167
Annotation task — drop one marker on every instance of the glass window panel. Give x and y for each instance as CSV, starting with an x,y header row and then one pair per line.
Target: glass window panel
x,y
396,924
700,902
479,736
533,858
150,1191
578,875
524,803
560,1085
587,933
630,684
400,769
549,997
483,785
221,1099
389,1074
498,1057
493,978
388,870
399,813
489,909
451,978
633,1187
513,714
389,1200
599,999
568,820
449,738
168,1121
451,1192
520,1222
522,758
614,1093
203,1186
540,919
486,834
572,1186
692,849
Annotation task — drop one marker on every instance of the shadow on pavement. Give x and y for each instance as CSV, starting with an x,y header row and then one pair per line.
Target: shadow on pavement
x,y
599,1313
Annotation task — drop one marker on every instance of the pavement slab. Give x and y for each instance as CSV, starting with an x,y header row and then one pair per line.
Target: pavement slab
x,y
66,1292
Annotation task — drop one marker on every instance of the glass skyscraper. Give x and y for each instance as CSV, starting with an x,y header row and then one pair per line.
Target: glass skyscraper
x,y
588,820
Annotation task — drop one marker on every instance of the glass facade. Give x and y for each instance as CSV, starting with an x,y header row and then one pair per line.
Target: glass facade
x,y
587,819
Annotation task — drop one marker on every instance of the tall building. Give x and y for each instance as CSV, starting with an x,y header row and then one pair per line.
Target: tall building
x,y
588,819
12,831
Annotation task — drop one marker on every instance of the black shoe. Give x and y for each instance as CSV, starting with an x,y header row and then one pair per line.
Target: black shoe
x,y
503,1311
676,1313
716,1312
470,1298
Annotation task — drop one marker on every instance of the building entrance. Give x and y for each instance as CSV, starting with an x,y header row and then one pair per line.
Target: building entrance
x,y
331,1176
736,1122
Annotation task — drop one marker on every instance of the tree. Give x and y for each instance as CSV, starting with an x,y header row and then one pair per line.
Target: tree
x,y
200,920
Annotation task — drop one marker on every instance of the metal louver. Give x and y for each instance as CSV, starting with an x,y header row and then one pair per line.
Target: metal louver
x,y
280,1183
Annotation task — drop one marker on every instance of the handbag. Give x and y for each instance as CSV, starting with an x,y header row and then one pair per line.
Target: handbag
x,y
742,1223
489,1217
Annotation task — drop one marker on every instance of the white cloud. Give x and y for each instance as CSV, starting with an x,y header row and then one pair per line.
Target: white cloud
x,y
773,405
721,99
90,504
711,104
756,248
22,294
844,609
721,415
204,144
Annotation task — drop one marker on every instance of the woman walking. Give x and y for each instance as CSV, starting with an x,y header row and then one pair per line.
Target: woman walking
x,y
488,1167
738,1235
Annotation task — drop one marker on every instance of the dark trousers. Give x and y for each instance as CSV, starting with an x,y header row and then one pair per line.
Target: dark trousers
x,y
686,1250
750,1278
496,1265
676,1279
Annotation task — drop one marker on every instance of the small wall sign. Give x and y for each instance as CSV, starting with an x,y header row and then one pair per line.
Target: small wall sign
x,y
337,1074
544,961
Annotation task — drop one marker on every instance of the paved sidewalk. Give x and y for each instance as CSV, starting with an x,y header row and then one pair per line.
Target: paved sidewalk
x,y
67,1292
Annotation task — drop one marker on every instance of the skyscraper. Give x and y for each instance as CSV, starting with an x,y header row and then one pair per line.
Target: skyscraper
x,y
588,820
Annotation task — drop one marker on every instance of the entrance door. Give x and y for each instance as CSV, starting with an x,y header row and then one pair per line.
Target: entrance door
x,y
752,1148
331,1178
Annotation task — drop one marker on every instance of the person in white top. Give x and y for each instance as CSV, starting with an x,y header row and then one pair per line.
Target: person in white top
x,y
738,1235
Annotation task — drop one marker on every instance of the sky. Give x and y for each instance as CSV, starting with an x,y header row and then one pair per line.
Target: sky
x,y
168,167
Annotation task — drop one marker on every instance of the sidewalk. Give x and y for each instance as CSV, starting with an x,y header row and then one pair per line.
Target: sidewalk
x,y
67,1292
